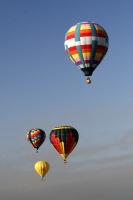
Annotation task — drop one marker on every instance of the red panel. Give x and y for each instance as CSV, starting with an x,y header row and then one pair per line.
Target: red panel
x,y
56,143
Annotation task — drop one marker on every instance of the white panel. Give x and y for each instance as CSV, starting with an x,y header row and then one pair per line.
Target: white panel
x,y
86,40
102,41
70,43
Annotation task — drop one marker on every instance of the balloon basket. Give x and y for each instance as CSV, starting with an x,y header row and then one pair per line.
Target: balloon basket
x,y
65,161
88,80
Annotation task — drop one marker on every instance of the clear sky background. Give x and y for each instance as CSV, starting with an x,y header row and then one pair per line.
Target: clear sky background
x,y
40,87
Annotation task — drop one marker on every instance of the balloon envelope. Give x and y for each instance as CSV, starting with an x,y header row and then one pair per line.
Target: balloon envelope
x,y
86,44
64,139
42,167
36,137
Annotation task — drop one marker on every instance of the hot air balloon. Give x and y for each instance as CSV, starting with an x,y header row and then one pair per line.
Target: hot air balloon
x,y
42,167
86,44
64,140
36,137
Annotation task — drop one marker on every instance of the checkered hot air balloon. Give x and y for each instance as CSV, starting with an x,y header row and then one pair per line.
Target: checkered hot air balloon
x,y
86,44
36,137
64,139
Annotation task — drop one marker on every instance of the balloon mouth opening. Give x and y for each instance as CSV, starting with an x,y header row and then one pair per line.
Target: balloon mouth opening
x,y
88,71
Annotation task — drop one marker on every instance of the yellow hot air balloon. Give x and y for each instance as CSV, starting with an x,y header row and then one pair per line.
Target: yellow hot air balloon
x,y
42,167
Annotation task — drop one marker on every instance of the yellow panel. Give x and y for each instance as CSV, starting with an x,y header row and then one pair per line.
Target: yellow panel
x,y
72,29
61,127
85,26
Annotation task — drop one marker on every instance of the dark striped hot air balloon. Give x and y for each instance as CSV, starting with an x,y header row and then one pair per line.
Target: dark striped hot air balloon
x,y
86,44
64,140
36,137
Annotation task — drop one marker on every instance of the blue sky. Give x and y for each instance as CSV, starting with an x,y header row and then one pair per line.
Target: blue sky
x,y
40,87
